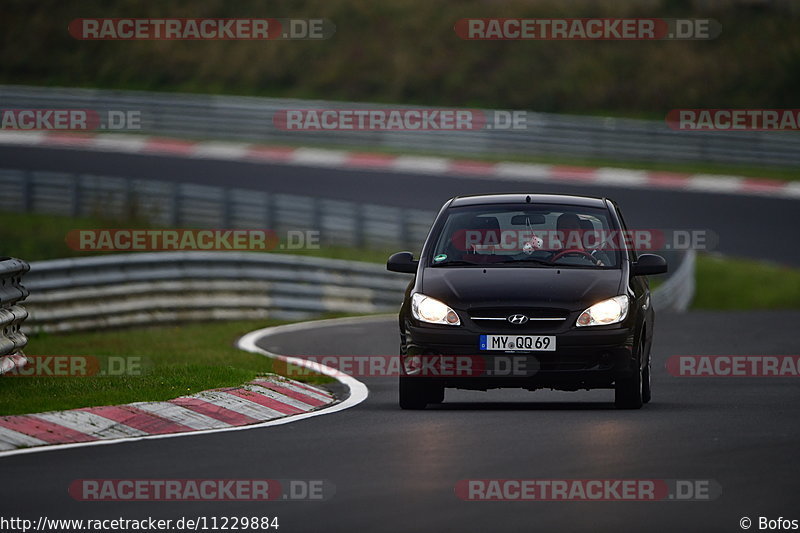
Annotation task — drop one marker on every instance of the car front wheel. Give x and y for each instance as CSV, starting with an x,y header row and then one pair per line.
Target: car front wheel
x,y
629,391
412,393
417,393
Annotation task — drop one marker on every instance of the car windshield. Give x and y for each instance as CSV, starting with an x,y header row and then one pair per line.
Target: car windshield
x,y
540,236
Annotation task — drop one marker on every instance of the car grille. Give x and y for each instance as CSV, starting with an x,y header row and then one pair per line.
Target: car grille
x,y
539,319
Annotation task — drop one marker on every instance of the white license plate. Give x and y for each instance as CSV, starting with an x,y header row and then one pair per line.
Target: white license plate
x,y
518,343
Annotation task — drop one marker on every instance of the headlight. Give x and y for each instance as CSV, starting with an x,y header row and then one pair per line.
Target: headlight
x,y
606,312
432,311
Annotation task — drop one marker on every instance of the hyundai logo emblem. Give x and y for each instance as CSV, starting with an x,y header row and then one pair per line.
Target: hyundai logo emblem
x,y
518,319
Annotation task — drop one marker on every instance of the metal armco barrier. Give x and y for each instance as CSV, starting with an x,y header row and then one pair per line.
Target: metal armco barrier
x,y
145,288
12,339
153,288
249,118
677,291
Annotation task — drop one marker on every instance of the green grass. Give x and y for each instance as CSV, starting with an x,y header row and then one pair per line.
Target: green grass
x,y
176,361
37,237
726,283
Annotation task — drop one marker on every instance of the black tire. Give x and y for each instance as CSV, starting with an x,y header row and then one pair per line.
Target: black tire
x,y
435,393
629,391
413,393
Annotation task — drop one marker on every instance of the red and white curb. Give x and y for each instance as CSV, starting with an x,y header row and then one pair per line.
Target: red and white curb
x,y
464,168
263,399
264,402
10,362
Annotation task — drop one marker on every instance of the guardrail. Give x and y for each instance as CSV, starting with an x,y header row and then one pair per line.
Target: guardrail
x,y
12,339
177,205
144,288
149,288
249,118
677,291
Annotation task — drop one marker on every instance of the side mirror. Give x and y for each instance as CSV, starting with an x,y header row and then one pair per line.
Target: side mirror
x,y
649,264
402,262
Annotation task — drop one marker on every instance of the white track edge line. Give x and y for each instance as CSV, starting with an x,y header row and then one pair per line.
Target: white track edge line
x,y
358,391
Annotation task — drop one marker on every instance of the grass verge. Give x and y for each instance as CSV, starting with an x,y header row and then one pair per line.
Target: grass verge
x,y
724,283
38,237
176,361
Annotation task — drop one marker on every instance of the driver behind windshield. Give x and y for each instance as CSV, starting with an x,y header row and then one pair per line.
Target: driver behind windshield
x,y
571,232
508,236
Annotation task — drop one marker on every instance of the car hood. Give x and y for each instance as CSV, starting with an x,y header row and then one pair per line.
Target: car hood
x,y
567,288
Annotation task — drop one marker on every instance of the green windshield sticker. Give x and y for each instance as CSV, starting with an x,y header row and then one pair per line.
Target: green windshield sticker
x,y
440,257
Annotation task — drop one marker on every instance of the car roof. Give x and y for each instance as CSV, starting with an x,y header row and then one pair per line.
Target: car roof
x,y
535,199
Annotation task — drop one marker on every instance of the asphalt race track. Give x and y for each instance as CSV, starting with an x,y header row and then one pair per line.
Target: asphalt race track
x,y
395,470
747,226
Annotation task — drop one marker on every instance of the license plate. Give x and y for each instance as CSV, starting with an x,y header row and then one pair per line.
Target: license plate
x,y
518,343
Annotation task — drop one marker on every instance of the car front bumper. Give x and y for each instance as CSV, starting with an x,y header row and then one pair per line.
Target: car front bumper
x,y
584,358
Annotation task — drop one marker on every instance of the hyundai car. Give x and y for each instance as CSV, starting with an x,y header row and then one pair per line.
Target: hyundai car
x,y
527,291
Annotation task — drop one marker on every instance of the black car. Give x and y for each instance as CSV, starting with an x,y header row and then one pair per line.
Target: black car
x,y
548,285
